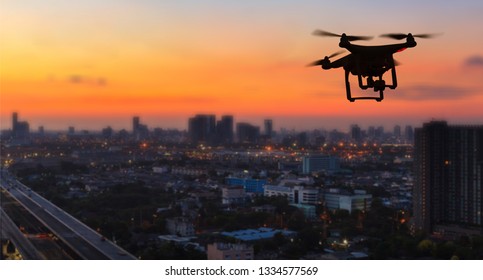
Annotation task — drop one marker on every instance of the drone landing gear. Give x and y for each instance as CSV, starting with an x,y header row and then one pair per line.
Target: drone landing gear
x,y
378,85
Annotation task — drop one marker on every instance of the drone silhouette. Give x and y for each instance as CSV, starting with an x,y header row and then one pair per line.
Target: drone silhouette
x,y
370,62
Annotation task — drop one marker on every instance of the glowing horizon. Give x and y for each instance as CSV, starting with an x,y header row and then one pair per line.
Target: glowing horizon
x,y
112,60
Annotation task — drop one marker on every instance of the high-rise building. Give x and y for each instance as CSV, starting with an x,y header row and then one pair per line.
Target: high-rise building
x,y
139,131
224,130
409,134
135,125
202,129
356,133
247,133
268,126
14,120
20,130
448,190
371,132
397,131
379,132
107,132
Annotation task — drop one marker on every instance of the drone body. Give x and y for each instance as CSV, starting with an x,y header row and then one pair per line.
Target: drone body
x,y
368,62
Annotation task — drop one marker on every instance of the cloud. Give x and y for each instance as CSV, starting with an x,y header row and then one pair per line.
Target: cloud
x,y
429,92
86,80
144,100
474,61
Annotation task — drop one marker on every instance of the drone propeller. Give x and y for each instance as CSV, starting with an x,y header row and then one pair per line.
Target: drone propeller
x,y
316,63
325,59
400,36
319,32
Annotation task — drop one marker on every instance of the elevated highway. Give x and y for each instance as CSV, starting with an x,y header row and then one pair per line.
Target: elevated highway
x,y
83,240
8,230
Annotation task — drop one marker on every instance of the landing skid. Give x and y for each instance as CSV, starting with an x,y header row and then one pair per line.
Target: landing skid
x,y
353,99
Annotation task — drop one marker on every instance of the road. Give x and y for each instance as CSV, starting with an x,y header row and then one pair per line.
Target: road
x,y
87,243
10,230
29,230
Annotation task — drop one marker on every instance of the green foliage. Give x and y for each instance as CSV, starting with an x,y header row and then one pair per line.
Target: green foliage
x,y
297,220
170,251
426,248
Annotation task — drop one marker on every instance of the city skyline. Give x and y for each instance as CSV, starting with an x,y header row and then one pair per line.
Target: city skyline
x,y
137,122
93,64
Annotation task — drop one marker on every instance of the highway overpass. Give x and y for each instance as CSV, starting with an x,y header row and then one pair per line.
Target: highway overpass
x,y
84,241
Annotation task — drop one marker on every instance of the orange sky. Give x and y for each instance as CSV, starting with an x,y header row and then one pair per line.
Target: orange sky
x,y
110,61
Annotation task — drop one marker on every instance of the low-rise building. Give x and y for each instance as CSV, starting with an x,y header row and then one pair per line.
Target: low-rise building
x,y
228,251
180,226
307,209
316,163
294,194
233,195
257,234
250,185
338,199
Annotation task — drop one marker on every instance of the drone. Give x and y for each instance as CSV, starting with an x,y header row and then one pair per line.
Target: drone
x,y
368,62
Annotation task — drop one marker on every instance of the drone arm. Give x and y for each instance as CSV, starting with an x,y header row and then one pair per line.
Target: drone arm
x,y
341,62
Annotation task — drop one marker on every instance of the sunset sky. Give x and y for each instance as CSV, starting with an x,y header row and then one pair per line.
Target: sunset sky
x,y
95,63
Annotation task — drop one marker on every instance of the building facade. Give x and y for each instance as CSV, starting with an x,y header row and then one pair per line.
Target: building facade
x,y
336,199
317,163
202,129
294,194
228,251
180,226
250,185
247,133
224,130
232,195
448,178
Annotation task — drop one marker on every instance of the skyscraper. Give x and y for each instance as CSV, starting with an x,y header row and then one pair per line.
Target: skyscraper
x,y
409,134
202,129
224,130
356,133
139,131
268,125
448,190
135,125
397,131
379,133
247,133
14,120
20,130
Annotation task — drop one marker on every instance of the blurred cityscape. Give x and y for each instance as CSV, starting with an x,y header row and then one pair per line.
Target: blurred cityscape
x,y
226,190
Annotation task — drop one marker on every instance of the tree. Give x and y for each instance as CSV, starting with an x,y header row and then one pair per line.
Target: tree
x,y
297,220
426,248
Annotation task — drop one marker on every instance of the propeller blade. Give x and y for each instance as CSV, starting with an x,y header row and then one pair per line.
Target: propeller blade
x,y
359,38
427,36
400,36
316,63
319,32
396,36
